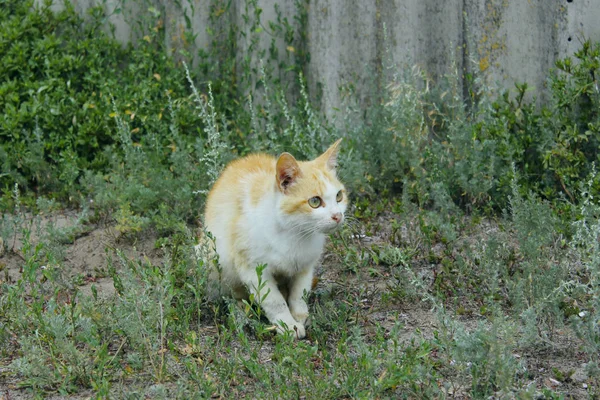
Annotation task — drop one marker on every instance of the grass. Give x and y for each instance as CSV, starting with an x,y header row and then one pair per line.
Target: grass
x,y
468,267
414,315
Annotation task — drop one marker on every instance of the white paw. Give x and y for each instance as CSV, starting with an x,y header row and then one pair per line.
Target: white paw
x,y
299,311
295,328
301,318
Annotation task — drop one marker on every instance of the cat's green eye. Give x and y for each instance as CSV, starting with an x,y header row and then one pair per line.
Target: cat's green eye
x,y
314,202
339,196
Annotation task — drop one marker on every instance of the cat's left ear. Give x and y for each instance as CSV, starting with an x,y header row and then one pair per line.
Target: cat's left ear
x,y
329,158
288,171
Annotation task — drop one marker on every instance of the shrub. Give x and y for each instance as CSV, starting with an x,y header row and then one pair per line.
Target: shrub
x,y
576,123
425,136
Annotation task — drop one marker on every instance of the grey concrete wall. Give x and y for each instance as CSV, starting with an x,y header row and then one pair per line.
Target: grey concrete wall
x,y
354,41
519,41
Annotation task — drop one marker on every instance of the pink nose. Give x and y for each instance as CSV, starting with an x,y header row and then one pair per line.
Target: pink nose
x,y
337,217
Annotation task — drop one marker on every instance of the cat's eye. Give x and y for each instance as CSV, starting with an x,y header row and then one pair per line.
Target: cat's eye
x,y
314,202
339,196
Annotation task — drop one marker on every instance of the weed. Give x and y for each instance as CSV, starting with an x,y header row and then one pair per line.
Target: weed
x,y
469,210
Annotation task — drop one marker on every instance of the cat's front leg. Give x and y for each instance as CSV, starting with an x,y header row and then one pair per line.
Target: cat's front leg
x,y
272,302
300,285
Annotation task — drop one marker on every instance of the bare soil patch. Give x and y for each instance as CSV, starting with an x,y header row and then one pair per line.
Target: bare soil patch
x,y
85,249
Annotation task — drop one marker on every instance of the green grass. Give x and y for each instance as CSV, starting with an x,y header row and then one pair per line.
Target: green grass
x,y
418,317
468,267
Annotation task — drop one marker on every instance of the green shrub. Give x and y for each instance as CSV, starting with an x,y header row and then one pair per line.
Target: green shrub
x,y
586,247
57,102
576,105
424,136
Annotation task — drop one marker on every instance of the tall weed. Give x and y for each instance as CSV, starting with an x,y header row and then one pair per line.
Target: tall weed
x,y
586,246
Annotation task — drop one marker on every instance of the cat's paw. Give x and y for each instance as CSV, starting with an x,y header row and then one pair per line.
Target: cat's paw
x,y
299,311
296,329
301,317
307,322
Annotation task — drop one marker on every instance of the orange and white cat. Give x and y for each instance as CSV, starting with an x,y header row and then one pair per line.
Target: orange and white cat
x,y
277,212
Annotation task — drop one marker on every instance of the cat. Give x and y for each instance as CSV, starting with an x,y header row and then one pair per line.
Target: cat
x,y
275,213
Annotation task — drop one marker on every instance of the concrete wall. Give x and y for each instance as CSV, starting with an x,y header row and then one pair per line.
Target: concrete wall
x,y
355,40
507,41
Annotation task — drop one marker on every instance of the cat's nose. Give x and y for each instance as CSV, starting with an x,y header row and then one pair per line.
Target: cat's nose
x,y
337,217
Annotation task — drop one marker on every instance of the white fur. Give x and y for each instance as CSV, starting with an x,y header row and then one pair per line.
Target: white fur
x,y
289,244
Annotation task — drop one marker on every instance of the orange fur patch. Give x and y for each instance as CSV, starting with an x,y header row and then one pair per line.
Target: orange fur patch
x,y
313,182
254,177
252,172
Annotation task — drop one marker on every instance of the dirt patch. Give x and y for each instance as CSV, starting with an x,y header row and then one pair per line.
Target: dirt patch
x,y
81,250
559,365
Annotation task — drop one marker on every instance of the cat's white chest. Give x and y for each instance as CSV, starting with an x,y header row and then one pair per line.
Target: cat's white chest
x,y
290,255
282,251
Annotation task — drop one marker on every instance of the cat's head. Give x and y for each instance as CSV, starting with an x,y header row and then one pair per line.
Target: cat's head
x,y
313,199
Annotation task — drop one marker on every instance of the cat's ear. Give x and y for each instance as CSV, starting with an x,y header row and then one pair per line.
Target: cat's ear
x,y
288,171
329,158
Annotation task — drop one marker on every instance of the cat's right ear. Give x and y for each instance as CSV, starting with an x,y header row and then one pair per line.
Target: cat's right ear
x,y
288,171
329,158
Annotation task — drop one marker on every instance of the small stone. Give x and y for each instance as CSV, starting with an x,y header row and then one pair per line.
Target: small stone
x,y
554,382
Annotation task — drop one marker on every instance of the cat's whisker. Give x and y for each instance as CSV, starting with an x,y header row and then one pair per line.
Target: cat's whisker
x,y
352,221
301,223
301,227
309,232
355,227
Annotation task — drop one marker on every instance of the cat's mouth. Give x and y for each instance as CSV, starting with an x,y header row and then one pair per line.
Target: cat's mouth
x,y
334,226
